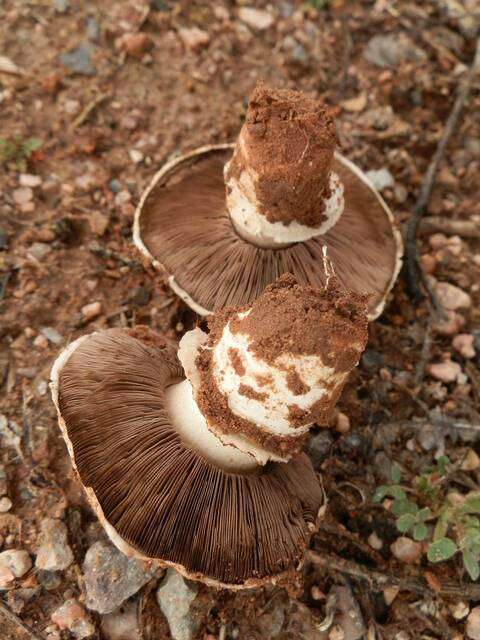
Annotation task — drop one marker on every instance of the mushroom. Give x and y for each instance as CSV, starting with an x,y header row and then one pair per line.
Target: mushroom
x,y
223,226
205,472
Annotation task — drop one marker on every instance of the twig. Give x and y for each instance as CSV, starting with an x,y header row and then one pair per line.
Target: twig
x,y
382,580
14,619
84,114
413,271
462,228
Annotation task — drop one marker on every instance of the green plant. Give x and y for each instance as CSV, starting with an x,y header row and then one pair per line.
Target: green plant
x,y
18,150
454,519
318,4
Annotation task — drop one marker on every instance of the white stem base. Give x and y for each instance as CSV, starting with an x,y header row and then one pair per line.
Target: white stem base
x,y
252,226
191,426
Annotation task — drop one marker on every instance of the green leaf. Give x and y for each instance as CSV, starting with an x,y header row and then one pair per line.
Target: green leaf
x,y
470,563
441,549
405,522
32,144
403,506
424,514
380,493
420,532
442,463
442,525
397,492
471,503
396,473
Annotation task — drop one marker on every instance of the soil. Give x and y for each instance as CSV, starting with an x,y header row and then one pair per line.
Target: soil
x,y
66,243
287,144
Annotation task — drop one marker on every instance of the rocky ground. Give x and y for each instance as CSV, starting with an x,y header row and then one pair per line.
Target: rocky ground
x,y
93,98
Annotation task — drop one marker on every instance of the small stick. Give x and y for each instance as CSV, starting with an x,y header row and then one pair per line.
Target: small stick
x,y
382,580
14,619
413,271
83,115
462,228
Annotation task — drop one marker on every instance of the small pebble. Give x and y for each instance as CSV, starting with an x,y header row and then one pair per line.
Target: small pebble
x,y
135,44
389,594
54,553
14,563
451,325
136,156
22,195
343,423
121,624
29,180
256,18
5,504
72,616
41,341
51,334
445,371
452,297
438,241
471,461
473,624
464,344
38,250
91,310
406,550
374,541
459,610
194,38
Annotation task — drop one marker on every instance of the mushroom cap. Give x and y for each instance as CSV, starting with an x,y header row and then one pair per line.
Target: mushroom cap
x,y
157,498
182,226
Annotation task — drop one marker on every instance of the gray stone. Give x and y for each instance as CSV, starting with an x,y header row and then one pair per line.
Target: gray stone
x,y
122,624
50,580
39,250
392,49
349,616
381,178
174,597
79,60
93,29
318,448
111,577
51,334
54,553
60,6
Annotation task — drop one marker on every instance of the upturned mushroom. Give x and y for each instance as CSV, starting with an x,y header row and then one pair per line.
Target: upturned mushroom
x,y
200,467
222,226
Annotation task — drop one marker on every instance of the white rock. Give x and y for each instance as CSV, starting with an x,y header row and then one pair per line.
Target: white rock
x,y
194,38
5,504
374,541
72,616
16,562
473,624
406,550
136,156
51,334
121,624
91,310
381,179
464,344
174,597
22,195
29,180
54,553
39,250
256,18
445,371
452,297
459,610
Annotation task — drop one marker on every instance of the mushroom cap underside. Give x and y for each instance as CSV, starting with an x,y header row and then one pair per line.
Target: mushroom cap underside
x,y
157,495
182,225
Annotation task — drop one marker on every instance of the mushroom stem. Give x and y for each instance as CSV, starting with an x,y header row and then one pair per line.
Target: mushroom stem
x,y
191,425
280,185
